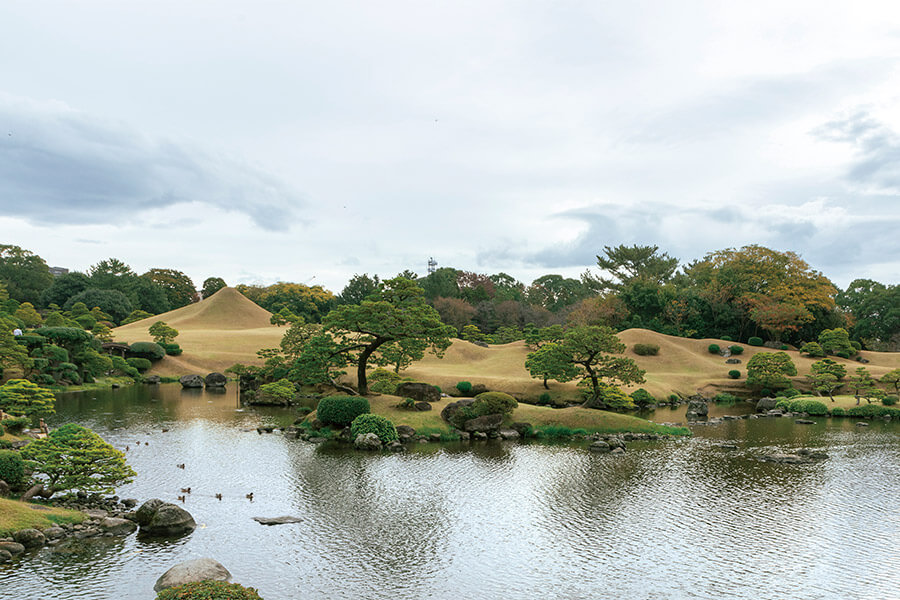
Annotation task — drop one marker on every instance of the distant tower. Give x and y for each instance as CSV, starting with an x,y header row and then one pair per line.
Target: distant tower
x,y
432,265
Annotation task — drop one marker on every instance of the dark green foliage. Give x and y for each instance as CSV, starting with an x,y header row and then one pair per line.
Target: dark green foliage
x,y
725,398
67,366
380,426
383,381
856,345
341,410
12,468
53,354
642,398
726,338
838,412
812,349
492,403
544,399
172,349
783,404
783,347
149,350
889,400
836,341
31,340
842,354
16,424
70,338
281,391
141,364
755,341
211,285
873,410
22,397
464,387
808,406
45,379
113,302
646,349
208,590
674,399
734,374
788,393
713,348
735,349
41,364
86,321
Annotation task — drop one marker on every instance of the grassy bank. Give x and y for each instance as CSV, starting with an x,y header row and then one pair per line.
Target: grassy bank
x,y
15,515
101,383
840,401
575,419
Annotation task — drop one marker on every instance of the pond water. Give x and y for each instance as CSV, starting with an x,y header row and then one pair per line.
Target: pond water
x,y
678,519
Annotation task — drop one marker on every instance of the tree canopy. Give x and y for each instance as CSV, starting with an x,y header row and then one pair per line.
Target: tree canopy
x,y
24,273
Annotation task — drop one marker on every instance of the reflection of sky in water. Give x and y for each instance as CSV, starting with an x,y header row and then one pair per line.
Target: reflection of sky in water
x,y
683,519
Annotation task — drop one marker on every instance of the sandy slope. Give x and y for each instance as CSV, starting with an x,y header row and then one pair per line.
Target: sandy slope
x,y
227,328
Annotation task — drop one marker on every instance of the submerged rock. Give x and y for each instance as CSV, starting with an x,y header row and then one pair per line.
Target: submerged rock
x,y
30,538
367,441
163,519
199,569
277,520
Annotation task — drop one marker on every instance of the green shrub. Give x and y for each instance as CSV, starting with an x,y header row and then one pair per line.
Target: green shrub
x,y
41,364
783,404
149,350
642,398
544,399
837,411
809,406
31,340
783,347
208,590
725,398
303,410
141,364
53,354
341,410
713,348
646,349
45,379
407,404
812,349
380,426
72,376
787,393
726,338
889,400
16,424
66,366
734,374
856,345
175,352
172,349
2,429
674,399
492,403
12,468
281,391
873,410
464,387
735,349
842,354
755,341
382,381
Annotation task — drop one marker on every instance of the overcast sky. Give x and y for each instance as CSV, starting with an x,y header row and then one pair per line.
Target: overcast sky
x,y
308,141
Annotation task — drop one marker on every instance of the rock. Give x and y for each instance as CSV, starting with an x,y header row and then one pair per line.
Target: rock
x,y
481,344
396,446
215,380
775,413
117,526
599,446
56,532
812,454
405,431
317,440
30,538
617,451
484,423
199,569
162,518
434,437
420,392
422,406
804,422
367,441
697,409
277,520
862,360
451,409
12,547
765,404
4,488
479,435
802,457
733,361
152,379
5,556
479,388
464,436
509,434
96,513
191,381
129,502
862,424
523,429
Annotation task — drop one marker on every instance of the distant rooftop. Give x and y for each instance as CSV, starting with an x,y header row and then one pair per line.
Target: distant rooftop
x,y
57,271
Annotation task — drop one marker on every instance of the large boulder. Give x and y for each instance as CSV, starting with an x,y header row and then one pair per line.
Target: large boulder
x,y
199,569
484,424
191,381
420,392
367,441
152,379
117,526
30,538
162,518
454,407
697,409
215,380
766,404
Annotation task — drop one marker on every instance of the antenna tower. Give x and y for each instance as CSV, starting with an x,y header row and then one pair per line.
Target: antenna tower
x,y
432,265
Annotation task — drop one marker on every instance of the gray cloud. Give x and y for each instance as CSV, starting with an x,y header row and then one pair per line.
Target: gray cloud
x,y
62,166
877,162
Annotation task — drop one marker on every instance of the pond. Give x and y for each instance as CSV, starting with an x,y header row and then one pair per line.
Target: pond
x,y
679,519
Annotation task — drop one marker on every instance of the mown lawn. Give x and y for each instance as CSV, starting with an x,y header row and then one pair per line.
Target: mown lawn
x,y
15,515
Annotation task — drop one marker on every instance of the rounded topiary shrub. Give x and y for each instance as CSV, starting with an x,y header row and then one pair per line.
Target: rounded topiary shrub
x,y
842,354
646,349
493,403
544,399
783,404
837,411
382,381
735,349
755,341
12,468
208,590
726,338
889,400
642,398
464,387
713,348
341,410
783,347
856,345
16,424
149,350
380,426
141,364
809,406
734,374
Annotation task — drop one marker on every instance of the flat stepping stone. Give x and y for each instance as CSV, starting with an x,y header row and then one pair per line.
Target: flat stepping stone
x,y
277,520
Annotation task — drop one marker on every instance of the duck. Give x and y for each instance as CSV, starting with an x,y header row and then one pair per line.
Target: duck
x,y
250,496
218,496
127,448
181,498
181,466
186,490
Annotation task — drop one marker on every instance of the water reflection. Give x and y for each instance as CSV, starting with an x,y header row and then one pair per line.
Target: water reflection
x,y
677,519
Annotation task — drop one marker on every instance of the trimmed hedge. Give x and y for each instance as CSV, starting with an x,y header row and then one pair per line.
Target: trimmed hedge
x,y
141,364
149,350
808,406
646,349
890,400
837,411
755,341
734,374
492,403
16,424
12,468
464,387
642,398
341,410
713,348
380,426
735,349
208,590
873,410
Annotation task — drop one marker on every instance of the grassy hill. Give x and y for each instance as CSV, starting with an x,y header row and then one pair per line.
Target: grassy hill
x,y
215,333
227,328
